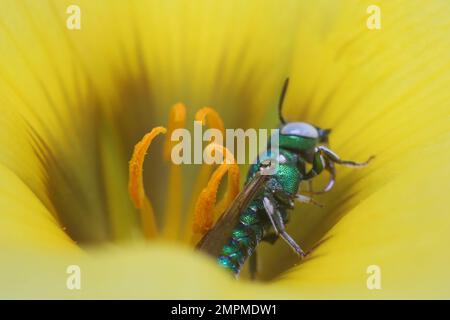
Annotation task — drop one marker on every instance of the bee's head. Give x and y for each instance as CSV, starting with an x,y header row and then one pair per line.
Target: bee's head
x,y
302,136
299,136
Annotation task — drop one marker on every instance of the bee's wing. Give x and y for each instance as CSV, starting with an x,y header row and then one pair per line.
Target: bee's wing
x,y
213,241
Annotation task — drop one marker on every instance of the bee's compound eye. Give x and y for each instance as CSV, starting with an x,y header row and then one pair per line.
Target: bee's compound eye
x,y
301,129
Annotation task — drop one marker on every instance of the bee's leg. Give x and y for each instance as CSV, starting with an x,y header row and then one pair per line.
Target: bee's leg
x,y
306,199
291,242
253,265
333,157
270,210
329,166
318,165
324,158
277,221
287,238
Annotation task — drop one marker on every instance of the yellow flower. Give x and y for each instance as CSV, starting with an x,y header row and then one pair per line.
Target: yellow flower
x,y
73,104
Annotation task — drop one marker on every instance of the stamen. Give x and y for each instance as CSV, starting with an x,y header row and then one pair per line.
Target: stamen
x,y
136,183
173,216
201,180
204,213
177,119
212,118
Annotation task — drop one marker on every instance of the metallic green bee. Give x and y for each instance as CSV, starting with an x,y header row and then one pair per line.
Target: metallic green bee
x,y
260,211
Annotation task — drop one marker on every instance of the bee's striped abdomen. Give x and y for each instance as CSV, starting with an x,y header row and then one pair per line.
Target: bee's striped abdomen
x,y
244,238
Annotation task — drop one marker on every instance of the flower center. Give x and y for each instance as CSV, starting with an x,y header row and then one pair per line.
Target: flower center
x,y
203,213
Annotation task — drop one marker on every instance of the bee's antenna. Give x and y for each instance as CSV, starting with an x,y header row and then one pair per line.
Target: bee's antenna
x,y
280,102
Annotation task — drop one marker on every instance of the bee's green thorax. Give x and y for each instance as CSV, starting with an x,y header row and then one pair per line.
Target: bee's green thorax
x,y
297,143
288,176
287,173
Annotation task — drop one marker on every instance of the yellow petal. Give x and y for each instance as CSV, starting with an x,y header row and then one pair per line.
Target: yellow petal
x,y
25,221
384,92
110,272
